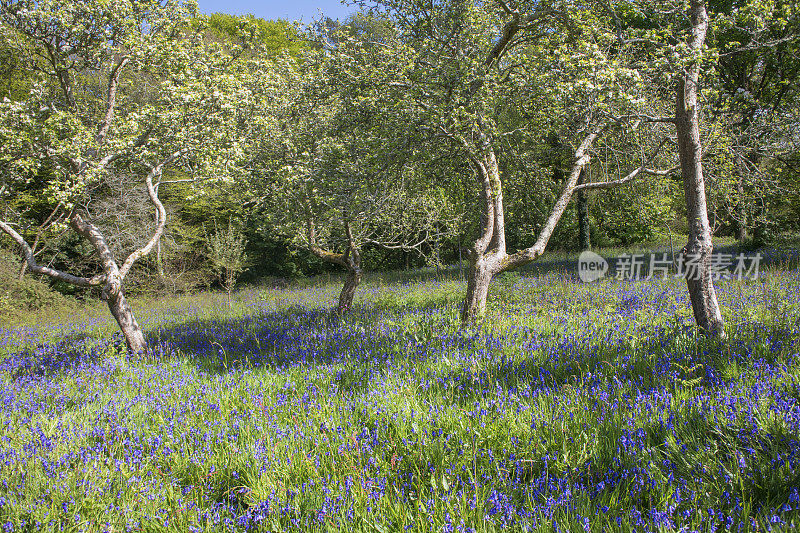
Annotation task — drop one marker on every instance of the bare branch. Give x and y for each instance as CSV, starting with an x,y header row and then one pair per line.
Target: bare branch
x,y
47,271
644,118
160,211
507,9
187,180
630,177
416,247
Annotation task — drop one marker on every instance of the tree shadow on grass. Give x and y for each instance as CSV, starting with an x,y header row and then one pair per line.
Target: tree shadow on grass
x,y
733,465
68,354
277,340
298,336
661,356
314,337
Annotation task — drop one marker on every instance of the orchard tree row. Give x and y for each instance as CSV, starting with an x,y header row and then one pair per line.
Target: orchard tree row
x,y
139,131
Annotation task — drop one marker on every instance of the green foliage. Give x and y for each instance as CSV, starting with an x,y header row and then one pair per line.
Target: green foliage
x,y
276,36
636,214
364,116
344,176
226,253
15,82
20,298
447,294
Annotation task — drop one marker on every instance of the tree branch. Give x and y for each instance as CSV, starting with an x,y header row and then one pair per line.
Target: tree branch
x,y
47,271
140,141
111,103
325,255
529,254
482,174
630,177
160,211
314,248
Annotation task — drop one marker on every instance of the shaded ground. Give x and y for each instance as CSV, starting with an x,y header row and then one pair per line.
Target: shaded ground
x,y
581,405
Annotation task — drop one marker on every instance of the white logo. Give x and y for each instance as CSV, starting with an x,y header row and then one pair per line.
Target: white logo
x,y
591,267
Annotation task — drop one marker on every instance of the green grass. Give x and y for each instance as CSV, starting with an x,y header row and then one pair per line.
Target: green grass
x,y
570,403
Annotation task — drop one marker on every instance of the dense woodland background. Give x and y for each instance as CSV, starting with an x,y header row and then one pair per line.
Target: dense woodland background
x,y
148,150
358,122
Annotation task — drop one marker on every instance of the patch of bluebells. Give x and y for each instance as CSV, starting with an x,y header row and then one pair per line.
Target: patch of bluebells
x,y
604,410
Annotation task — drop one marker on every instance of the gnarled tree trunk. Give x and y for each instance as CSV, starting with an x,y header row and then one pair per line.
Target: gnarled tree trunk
x,y
488,250
134,337
350,260
351,283
111,278
488,256
480,275
699,246
112,290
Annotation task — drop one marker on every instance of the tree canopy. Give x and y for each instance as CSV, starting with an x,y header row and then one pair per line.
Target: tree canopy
x,y
409,132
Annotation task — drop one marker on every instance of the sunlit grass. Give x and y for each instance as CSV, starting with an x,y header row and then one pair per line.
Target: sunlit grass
x,y
573,406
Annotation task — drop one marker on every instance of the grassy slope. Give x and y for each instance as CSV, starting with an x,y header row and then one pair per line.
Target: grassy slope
x,y
574,406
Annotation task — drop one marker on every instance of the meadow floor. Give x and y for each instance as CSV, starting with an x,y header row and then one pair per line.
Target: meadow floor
x,y
573,407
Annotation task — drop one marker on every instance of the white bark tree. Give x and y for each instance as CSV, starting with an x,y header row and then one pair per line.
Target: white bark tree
x,y
678,61
122,85
469,52
703,296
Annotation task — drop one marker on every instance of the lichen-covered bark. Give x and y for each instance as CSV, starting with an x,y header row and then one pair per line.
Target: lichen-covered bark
x,y
348,293
480,275
702,294
134,337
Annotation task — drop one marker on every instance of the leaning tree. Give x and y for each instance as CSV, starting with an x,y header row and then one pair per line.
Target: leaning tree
x,y
341,171
706,309
673,39
564,63
122,88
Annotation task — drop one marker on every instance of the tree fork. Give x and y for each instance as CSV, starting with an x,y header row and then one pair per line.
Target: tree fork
x,y
351,283
488,256
480,275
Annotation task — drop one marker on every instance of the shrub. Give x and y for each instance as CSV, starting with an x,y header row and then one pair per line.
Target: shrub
x,y
31,294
